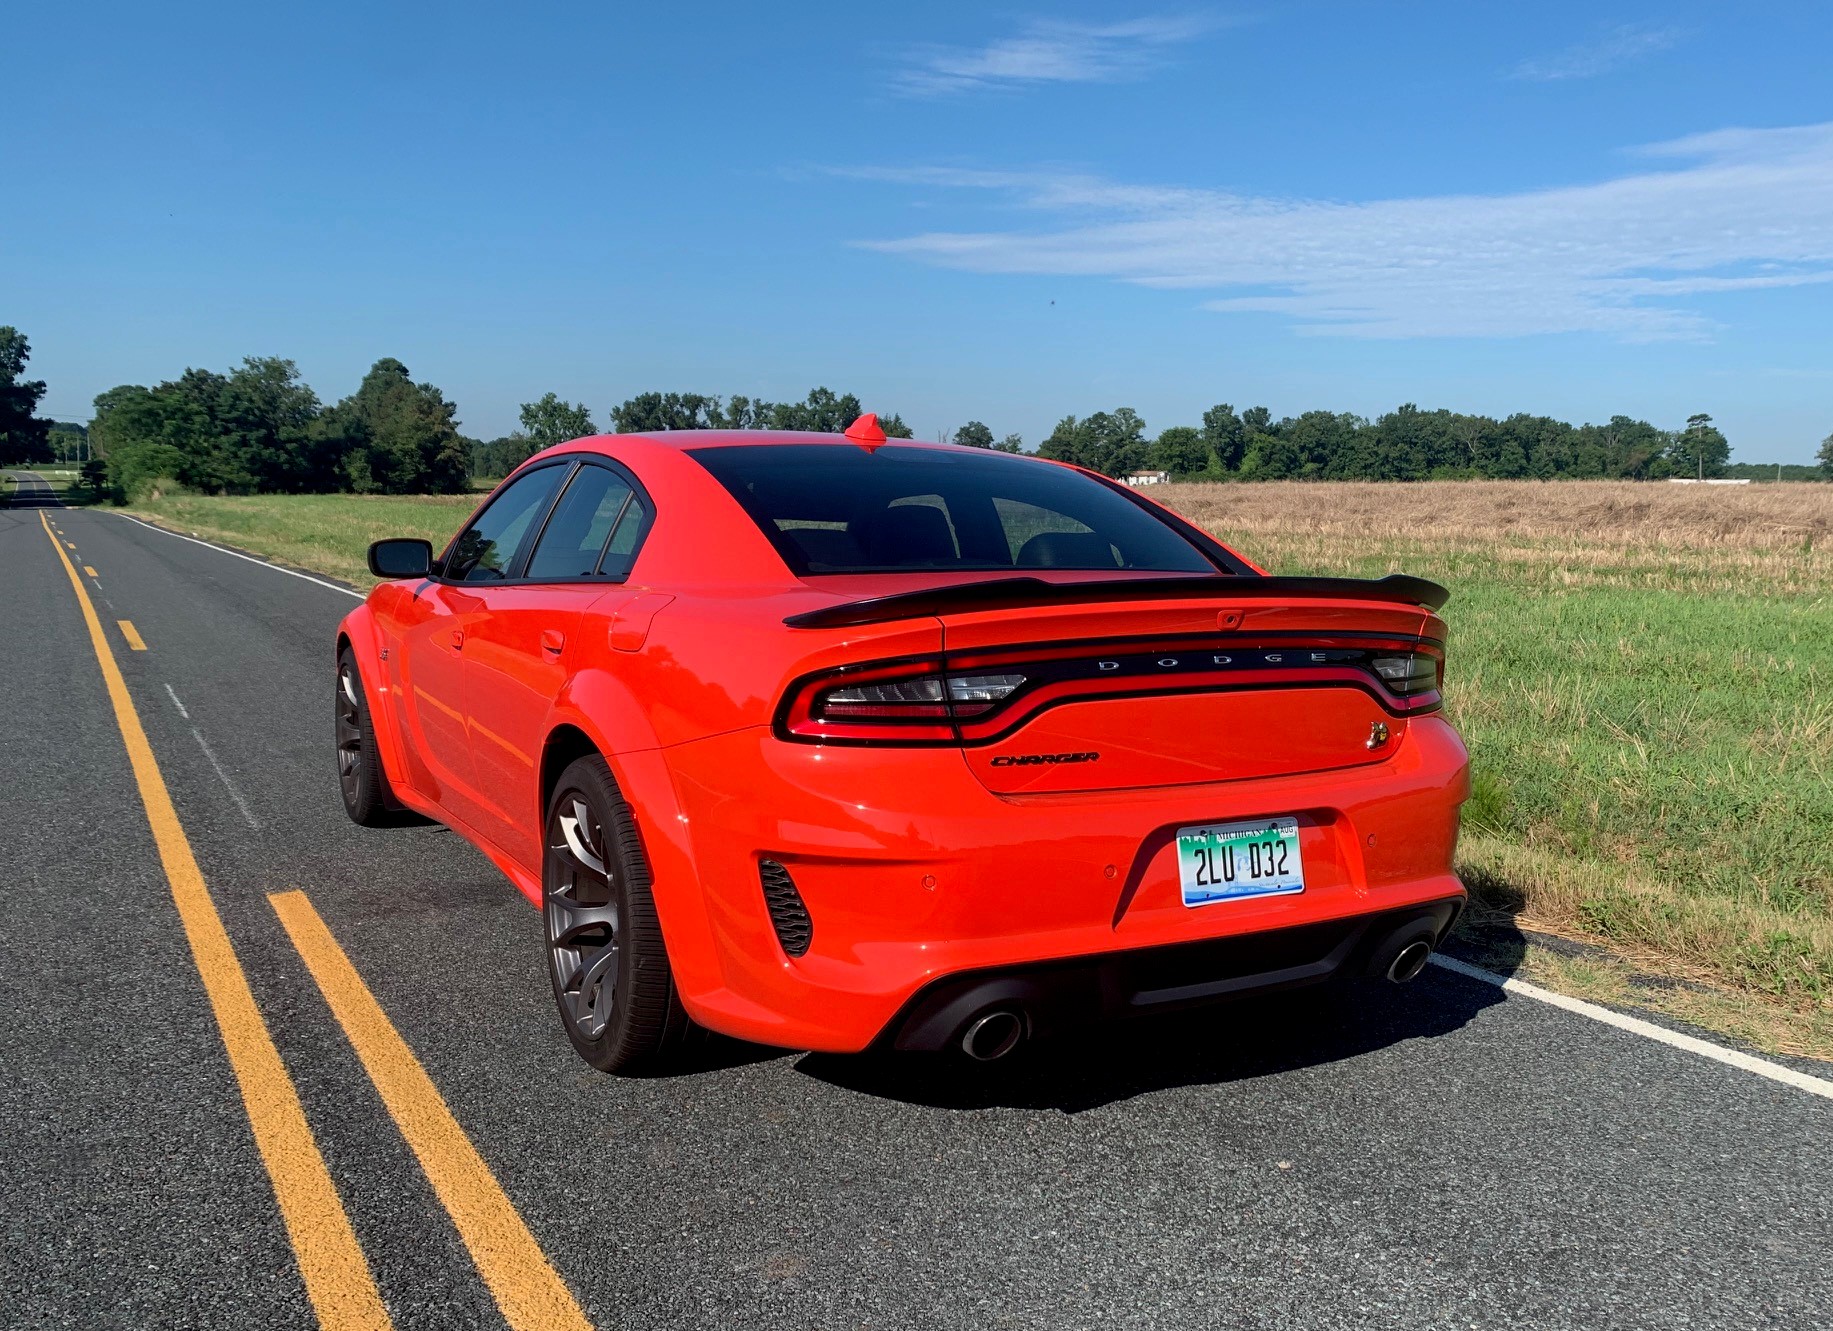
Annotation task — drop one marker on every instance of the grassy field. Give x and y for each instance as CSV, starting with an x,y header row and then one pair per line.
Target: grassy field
x,y
1644,674
325,533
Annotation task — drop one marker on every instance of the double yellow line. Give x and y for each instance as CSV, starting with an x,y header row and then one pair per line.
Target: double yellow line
x,y
337,1277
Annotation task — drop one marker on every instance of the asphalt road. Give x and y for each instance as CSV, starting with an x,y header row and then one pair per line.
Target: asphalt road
x,y
1440,1157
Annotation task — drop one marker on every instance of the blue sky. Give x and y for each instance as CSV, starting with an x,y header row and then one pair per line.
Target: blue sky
x,y
955,211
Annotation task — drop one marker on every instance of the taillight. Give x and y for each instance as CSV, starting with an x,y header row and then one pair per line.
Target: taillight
x,y
870,705
1409,675
990,693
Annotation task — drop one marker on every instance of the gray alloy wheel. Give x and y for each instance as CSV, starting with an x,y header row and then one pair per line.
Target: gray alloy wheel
x,y
605,955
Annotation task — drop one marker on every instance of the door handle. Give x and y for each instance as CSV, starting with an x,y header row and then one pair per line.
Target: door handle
x,y
458,640
552,640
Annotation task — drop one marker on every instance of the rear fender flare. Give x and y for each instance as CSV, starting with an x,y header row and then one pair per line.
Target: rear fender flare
x,y
647,785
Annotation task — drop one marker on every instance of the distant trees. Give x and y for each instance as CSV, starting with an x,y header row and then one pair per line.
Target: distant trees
x,y
1699,450
1407,444
397,437
23,435
1110,442
259,428
822,412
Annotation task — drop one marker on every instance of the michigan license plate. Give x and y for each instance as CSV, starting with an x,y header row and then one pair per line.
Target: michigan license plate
x,y
1228,861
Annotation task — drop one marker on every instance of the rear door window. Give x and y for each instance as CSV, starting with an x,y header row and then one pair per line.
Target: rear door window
x,y
597,507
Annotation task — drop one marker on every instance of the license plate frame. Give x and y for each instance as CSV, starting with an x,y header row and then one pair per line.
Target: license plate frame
x,y
1236,861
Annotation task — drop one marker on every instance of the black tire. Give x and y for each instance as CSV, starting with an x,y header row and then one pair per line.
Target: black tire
x,y
605,954
367,797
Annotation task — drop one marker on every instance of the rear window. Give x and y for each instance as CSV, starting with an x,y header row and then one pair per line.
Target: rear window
x,y
833,509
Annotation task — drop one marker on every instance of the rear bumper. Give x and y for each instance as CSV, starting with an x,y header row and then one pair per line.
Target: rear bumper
x,y
913,873
1065,995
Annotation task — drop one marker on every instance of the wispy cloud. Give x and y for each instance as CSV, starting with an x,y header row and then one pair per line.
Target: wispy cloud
x,y
1051,51
1741,210
1619,46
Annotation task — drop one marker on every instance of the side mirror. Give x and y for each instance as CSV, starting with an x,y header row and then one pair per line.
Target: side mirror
x,y
402,557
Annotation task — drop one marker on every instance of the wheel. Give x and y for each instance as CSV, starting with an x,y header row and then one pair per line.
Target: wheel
x,y
367,797
605,954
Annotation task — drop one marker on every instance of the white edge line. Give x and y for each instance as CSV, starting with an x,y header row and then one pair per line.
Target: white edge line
x,y
1801,1081
211,545
228,785
180,706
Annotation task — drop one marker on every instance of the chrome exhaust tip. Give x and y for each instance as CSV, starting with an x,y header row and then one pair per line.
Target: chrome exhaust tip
x,y
1409,961
992,1035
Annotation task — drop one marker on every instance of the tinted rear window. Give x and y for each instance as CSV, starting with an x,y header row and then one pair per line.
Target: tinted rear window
x,y
834,509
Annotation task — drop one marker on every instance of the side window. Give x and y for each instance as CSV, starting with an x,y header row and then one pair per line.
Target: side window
x,y
594,505
486,549
620,553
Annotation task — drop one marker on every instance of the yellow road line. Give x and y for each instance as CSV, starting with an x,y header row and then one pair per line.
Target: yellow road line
x,y
132,635
91,572
336,1276
528,1290
71,544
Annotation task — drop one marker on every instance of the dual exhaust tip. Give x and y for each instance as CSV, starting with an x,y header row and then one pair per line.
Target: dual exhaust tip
x,y
998,1032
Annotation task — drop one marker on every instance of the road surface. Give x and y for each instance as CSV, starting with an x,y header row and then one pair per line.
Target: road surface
x,y
1447,1157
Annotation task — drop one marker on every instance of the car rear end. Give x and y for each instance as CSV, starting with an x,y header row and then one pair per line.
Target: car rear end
x,y
1074,792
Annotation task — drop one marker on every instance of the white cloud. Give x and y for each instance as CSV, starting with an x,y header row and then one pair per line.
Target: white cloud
x,y
1586,60
1742,210
1050,51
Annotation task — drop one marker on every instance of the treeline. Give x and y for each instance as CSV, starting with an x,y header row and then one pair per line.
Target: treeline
x,y
1406,444
259,428
551,421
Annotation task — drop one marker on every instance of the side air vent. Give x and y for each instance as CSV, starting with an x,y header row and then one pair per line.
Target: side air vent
x,y
794,930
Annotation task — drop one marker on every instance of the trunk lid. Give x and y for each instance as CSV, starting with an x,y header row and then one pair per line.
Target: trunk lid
x,y
1227,684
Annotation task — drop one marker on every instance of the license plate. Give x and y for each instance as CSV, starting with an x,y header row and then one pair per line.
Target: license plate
x,y
1228,861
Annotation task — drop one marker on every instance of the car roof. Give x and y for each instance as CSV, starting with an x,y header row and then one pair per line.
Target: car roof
x,y
686,439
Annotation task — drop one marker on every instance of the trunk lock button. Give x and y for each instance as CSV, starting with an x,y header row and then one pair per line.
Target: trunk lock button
x,y
1377,734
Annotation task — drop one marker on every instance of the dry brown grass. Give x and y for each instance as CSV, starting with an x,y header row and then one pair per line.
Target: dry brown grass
x,y
1687,537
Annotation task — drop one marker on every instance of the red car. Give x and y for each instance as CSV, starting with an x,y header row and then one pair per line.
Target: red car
x,y
831,742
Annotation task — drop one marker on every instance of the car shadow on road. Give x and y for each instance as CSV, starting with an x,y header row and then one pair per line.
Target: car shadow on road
x,y
1237,1041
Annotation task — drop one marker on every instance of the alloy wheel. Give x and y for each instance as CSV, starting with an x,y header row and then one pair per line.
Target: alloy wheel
x,y
581,914
349,730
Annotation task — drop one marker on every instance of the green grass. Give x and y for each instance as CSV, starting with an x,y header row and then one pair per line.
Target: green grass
x,y
1644,675
325,533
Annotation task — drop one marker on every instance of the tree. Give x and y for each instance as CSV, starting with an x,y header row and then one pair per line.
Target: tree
x,y
23,436
1700,450
397,436
551,421
1110,443
1180,450
1012,443
974,435
1825,456
682,411
264,418
1225,435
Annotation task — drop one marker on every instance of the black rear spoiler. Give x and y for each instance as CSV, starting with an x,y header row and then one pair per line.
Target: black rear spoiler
x,y
1003,593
